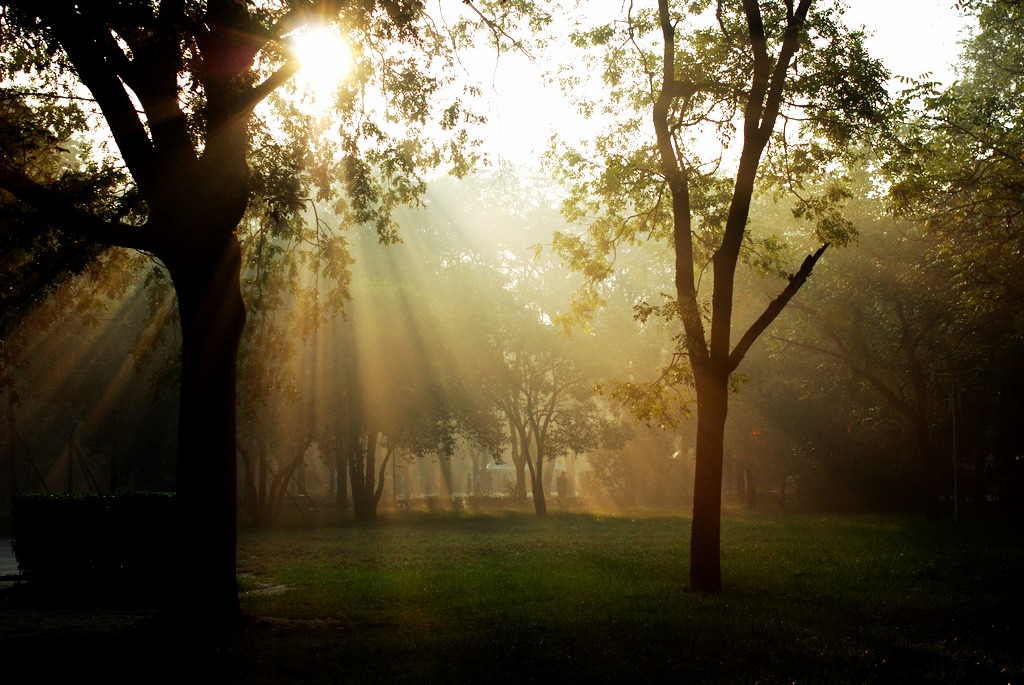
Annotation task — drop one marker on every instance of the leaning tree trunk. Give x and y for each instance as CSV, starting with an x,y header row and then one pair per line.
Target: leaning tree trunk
x,y
207,284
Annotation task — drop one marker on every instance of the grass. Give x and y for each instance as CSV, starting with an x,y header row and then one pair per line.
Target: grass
x,y
574,597
579,598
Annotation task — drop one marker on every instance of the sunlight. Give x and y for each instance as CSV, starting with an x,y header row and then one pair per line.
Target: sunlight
x,y
325,60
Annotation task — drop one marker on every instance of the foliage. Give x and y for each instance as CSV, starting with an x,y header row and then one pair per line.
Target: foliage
x,y
645,470
620,191
961,171
959,176
171,91
45,136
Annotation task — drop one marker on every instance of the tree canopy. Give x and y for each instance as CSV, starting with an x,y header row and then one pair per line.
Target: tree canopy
x,y
166,94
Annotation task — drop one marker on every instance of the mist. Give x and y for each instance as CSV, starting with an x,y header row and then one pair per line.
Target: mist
x,y
395,393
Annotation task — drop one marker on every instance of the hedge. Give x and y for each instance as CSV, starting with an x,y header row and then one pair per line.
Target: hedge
x,y
88,537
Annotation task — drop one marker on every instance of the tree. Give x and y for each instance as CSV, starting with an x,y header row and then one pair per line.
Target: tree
x,y
741,70
395,383
960,170
542,395
960,175
175,85
37,257
887,311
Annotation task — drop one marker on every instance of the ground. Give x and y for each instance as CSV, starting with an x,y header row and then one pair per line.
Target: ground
x,y
25,615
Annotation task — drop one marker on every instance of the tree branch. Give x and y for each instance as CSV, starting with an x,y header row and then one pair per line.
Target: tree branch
x,y
257,93
774,308
678,180
90,46
65,216
880,386
498,31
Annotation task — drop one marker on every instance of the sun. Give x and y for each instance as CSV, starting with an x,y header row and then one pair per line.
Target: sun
x,y
325,60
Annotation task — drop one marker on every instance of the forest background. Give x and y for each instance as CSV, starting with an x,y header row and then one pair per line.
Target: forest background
x,y
896,367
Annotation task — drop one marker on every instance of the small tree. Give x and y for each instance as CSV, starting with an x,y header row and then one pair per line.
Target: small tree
x,y
795,89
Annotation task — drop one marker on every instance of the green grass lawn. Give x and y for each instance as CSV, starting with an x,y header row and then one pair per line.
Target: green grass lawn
x,y
583,598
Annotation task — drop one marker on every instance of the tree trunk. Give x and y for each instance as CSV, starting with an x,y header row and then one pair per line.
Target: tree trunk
x,y
917,408
9,470
341,479
261,486
932,506
570,474
519,462
476,475
362,471
279,486
549,476
207,284
540,505
444,465
706,528
750,486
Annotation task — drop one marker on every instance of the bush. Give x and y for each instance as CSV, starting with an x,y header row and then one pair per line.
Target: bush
x,y
119,538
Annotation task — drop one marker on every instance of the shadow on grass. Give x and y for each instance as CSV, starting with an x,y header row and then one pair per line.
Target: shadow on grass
x,y
424,598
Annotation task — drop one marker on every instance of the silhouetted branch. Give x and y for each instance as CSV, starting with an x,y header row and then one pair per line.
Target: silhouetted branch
x,y
774,308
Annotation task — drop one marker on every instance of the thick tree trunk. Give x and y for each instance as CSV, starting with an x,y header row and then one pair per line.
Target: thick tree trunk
x,y
207,283
706,528
549,476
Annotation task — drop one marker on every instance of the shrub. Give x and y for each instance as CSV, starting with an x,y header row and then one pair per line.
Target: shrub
x,y
116,538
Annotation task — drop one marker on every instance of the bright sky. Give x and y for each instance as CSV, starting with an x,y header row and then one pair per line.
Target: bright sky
x,y
911,36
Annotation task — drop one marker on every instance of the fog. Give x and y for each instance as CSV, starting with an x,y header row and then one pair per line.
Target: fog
x,y
484,350
394,370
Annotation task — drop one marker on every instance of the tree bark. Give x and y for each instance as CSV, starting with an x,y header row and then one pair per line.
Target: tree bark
x,y
9,469
540,503
519,463
362,471
706,527
710,357
207,283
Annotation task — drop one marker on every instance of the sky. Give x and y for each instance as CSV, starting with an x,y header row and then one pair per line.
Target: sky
x,y
912,37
